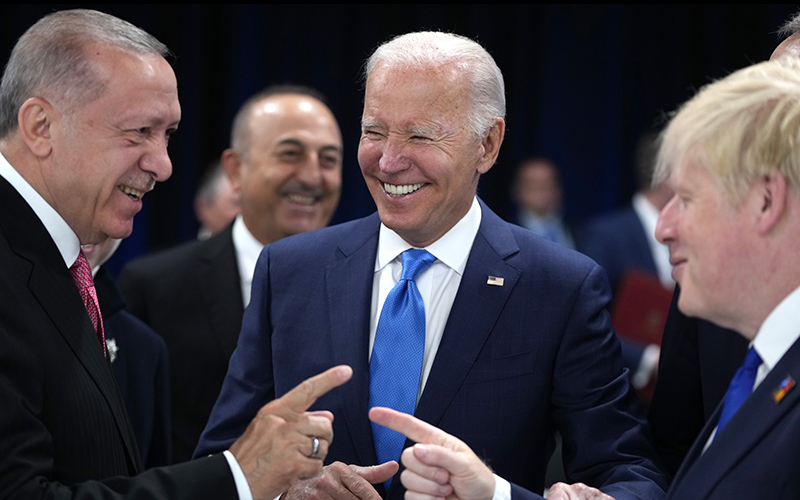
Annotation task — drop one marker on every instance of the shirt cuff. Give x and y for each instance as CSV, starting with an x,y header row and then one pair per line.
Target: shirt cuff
x,y
242,488
502,489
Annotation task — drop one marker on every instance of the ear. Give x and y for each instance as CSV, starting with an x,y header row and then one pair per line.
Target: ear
x,y
491,144
35,118
771,197
232,163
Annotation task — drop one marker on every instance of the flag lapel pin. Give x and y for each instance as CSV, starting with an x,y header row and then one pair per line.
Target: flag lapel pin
x,y
495,280
786,385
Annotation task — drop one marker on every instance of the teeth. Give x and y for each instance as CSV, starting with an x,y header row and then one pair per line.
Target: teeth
x,y
133,193
402,189
301,198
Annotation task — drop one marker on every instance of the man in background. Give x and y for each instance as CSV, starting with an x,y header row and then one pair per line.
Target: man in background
x,y
285,166
623,242
537,195
216,204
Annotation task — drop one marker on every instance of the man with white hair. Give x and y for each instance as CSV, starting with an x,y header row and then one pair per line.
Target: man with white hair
x,y
443,310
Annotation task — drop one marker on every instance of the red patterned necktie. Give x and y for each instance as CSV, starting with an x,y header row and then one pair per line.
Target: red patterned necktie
x,y
82,274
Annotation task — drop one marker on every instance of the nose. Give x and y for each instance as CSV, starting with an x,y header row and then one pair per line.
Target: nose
x,y
393,158
666,227
309,172
157,162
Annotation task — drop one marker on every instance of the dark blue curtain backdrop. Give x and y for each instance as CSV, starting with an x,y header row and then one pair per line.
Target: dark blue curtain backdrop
x,y
582,82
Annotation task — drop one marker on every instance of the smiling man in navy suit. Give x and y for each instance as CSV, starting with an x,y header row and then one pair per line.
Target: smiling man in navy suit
x,y
732,154
517,340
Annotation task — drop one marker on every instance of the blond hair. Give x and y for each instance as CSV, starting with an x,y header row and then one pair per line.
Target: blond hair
x,y
740,128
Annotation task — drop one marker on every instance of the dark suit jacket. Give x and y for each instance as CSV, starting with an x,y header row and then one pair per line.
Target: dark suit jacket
x,y
757,454
65,431
191,296
142,372
618,243
515,362
698,360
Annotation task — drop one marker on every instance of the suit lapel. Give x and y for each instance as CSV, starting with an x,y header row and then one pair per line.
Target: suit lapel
x,y
349,311
221,289
757,416
475,310
53,287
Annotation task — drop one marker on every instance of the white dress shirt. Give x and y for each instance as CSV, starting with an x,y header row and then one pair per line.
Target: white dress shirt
x,y
777,334
648,215
69,246
437,285
247,248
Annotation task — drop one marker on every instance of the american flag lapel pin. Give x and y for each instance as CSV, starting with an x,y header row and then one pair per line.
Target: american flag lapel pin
x,y
786,385
495,280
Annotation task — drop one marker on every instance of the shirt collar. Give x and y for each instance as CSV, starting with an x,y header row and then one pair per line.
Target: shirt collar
x,y
449,249
248,248
779,331
64,237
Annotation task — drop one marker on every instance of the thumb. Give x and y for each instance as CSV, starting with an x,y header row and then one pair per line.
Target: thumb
x,y
377,473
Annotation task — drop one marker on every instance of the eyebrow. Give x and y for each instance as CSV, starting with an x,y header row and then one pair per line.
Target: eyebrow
x,y
301,144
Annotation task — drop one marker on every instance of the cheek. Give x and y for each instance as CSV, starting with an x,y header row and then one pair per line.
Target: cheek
x,y
369,154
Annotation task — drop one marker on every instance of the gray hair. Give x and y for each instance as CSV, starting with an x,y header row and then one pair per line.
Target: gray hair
x,y
49,60
790,27
240,132
431,48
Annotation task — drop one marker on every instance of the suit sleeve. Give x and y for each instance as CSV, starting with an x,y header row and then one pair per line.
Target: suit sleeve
x,y
249,383
606,442
28,467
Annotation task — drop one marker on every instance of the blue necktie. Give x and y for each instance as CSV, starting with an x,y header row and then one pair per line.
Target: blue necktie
x,y
740,388
396,363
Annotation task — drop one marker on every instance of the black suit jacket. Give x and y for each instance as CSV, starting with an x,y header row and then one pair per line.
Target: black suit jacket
x,y
698,360
65,431
191,296
142,372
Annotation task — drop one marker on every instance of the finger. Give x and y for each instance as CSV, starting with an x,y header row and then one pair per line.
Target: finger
x,y
428,472
321,413
439,457
377,474
303,396
420,484
356,484
411,427
318,426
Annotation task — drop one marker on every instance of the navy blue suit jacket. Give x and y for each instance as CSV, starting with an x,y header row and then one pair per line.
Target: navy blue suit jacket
x,y
515,362
698,360
757,454
618,243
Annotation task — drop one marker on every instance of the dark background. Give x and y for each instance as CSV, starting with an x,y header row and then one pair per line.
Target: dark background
x,y
582,83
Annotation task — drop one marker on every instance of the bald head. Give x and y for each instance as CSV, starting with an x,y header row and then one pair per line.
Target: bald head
x,y
791,44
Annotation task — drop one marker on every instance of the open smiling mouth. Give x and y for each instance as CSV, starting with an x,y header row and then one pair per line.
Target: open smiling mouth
x,y
400,190
302,199
134,194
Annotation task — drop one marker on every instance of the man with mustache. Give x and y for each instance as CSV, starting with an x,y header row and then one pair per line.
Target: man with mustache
x,y
285,163
87,105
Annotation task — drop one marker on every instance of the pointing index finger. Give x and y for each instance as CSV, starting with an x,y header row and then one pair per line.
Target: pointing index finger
x,y
411,427
303,396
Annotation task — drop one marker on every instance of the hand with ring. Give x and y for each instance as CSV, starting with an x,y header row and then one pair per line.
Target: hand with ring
x,y
274,452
